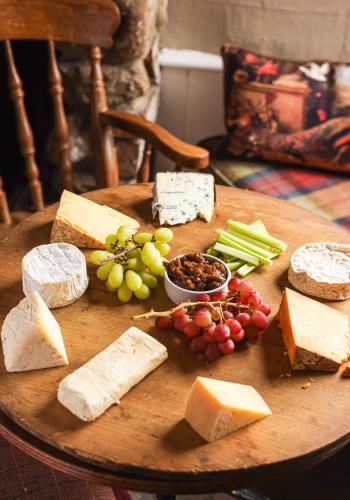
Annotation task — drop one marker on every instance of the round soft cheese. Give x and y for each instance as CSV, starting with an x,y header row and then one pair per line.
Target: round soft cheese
x,y
57,272
321,270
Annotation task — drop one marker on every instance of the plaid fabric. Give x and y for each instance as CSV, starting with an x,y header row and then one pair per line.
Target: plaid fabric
x,y
23,478
326,193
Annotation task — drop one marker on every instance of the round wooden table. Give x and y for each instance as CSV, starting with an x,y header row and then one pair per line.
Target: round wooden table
x,y
144,443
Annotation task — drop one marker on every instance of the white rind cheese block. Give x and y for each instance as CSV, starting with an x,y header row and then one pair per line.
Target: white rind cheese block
x,y
316,336
216,408
86,224
180,197
321,270
57,271
105,379
31,337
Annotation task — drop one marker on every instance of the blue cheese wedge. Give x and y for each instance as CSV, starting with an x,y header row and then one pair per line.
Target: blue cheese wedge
x,y
105,379
31,337
180,197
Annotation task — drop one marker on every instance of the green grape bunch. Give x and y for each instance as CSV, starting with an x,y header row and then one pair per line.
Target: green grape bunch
x,y
132,261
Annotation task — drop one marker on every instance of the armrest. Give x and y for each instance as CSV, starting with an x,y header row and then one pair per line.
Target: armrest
x,y
182,153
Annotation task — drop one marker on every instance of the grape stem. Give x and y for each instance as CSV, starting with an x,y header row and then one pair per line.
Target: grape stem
x,y
116,256
158,314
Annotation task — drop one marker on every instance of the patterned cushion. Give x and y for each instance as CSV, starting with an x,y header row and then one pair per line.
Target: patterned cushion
x,y
325,193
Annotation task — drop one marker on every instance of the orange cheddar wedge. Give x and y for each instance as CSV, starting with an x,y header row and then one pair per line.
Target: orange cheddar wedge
x,y
316,336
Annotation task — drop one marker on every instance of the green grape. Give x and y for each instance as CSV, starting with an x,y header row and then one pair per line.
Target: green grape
x,y
97,255
142,237
103,271
124,292
116,276
163,235
124,232
149,280
156,268
136,264
149,253
111,241
163,248
110,288
133,280
143,292
136,252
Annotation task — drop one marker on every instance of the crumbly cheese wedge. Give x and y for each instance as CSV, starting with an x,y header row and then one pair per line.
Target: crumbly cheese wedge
x,y
180,197
322,270
31,337
57,271
101,382
215,408
84,223
316,336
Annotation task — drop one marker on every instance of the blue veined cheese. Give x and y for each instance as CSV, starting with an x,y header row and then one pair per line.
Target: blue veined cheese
x,y
180,197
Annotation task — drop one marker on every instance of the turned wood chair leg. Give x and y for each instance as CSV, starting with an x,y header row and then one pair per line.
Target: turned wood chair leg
x,y
5,215
145,169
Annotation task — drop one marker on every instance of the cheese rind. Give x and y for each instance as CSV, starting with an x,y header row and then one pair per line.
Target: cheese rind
x,y
86,224
215,408
321,270
57,271
31,337
316,336
105,379
180,197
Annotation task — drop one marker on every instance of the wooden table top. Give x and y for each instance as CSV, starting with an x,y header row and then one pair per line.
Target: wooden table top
x,y
145,437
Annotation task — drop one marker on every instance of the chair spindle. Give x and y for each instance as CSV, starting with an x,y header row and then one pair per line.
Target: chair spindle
x,y
145,169
25,134
102,138
4,208
60,121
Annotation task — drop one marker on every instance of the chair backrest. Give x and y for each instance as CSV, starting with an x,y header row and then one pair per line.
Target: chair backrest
x,y
88,22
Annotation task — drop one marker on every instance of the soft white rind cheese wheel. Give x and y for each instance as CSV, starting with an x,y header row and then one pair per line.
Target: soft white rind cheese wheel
x,y
321,270
57,272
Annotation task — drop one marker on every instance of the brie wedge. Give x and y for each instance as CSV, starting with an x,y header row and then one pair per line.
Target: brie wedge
x,y
321,270
101,382
31,337
57,271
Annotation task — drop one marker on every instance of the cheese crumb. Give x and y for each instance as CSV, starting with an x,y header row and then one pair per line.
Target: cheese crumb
x,y
306,386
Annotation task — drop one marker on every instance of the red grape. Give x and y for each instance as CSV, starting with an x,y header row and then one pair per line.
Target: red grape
x,y
191,329
253,299
245,288
234,325
233,284
203,297
237,337
179,312
218,295
259,319
202,318
222,332
264,308
212,352
180,322
227,314
226,347
198,344
208,334
164,322
243,318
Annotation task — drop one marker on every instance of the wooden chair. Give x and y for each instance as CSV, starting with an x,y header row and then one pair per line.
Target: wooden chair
x,y
89,22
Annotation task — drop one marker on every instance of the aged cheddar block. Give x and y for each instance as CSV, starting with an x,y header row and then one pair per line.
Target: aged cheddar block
x,y
107,377
31,337
215,408
316,336
84,223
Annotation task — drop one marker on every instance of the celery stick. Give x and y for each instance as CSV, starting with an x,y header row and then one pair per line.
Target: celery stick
x,y
227,241
244,270
258,225
253,241
234,265
212,252
245,244
245,229
236,253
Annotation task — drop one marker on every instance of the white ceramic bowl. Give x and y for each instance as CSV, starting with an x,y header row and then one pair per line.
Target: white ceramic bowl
x,y
178,294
